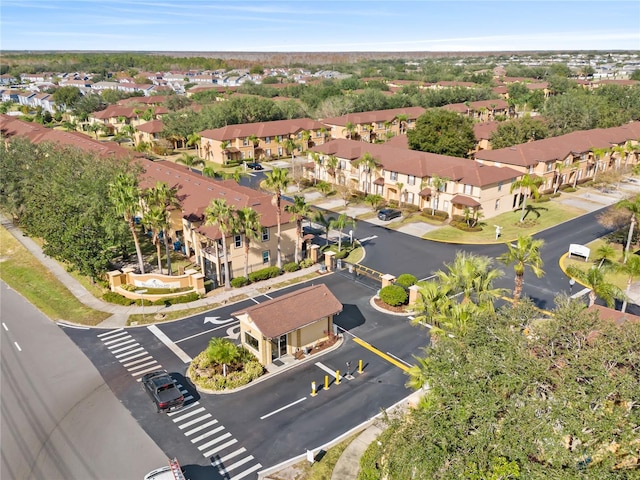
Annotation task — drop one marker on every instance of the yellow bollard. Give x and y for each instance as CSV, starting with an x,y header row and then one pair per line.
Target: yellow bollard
x,y
337,377
359,366
313,389
326,382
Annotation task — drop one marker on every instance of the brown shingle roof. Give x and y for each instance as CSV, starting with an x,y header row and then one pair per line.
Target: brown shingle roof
x,y
375,116
154,126
464,200
293,311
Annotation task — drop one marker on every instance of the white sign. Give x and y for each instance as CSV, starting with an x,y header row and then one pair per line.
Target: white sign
x,y
155,283
580,250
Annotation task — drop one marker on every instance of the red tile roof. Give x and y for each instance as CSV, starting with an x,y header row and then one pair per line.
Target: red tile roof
x,y
196,192
292,311
464,200
262,129
154,126
558,148
484,130
375,116
420,164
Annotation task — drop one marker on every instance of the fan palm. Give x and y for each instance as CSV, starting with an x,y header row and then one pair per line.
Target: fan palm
x,y
595,280
524,253
219,213
277,180
299,210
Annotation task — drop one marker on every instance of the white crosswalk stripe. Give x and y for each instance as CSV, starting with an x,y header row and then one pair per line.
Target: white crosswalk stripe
x,y
204,432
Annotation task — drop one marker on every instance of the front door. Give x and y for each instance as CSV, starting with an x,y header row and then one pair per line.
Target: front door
x,y
278,347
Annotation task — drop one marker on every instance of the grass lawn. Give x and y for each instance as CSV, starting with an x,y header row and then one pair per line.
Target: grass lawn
x,y
25,274
618,279
540,217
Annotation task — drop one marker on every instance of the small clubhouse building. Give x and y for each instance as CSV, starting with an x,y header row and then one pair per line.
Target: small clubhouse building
x,y
288,324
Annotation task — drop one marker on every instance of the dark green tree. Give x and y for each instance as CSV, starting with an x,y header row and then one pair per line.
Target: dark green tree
x,y
443,132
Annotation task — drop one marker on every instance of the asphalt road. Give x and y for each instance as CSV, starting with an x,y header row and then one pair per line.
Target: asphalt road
x,y
275,419
59,418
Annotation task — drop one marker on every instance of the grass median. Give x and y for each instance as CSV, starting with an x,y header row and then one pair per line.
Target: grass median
x,y
25,274
540,216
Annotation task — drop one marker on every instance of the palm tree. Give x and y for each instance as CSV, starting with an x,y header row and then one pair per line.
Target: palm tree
x,y
325,222
530,184
369,165
193,140
560,167
374,200
248,224
632,269
575,166
223,147
306,138
633,207
236,175
218,212
210,172
433,298
299,210
350,129
190,161
125,194
598,155
255,141
94,128
339,224
161,196
155,219
525,253
316,160
277,180
332,167
222,351
400,186
594,279
604,255
402,123
438,184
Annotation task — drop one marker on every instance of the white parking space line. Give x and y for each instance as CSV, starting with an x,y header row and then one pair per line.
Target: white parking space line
x,y
249,471
206,331
139,349
214,441
201,427
187,415
283,408
207,434
325,368
194,421
110,332
17,346
140,360
4,325
254,300
169,343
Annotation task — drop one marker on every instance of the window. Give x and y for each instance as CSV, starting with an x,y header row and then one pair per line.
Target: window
x,y
280,151
343,164
237,240
251,340
531,169
268,152
265,257
300,136
380,125
243,155
410,197
267,139
279,137
393,175
549,166
445,205
468,190
318,134
265,234
411,179
245,142
497,204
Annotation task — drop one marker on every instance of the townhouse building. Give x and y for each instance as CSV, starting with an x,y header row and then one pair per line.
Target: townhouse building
x,y
572,158
377,125
425,180
204,242
261,140
482,110
117,117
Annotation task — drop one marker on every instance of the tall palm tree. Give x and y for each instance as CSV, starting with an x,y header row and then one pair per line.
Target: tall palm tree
x,y
248,225
156,219
575,167
525,253
632,205
306,138
340,223
317,162
400,187
277,180
402,123
193,140
595,280
326,222
299,210
125,195
219,213
528,184
190,161
166,198
369,164
632,269
332,167
560,167
223,148
255,141
598,155
350,129
437,183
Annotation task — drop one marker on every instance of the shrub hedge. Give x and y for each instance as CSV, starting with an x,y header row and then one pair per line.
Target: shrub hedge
x,y
306,263
264,273
291,267
238,282
406,280
394,295
113,297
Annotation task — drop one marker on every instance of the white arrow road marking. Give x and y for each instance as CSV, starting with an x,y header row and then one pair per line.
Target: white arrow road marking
x,y
232,333
366,239
215,320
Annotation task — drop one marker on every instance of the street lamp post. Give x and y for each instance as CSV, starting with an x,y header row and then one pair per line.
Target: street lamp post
x,y
572,282
140,292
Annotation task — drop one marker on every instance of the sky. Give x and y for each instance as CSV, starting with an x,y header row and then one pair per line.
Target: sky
x,y
319,25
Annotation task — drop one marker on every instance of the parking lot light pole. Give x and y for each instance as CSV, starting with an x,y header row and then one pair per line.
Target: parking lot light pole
x,y
572,282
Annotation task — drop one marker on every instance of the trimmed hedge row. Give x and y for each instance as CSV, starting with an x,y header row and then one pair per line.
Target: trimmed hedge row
x,y
394,295
264,273
113,297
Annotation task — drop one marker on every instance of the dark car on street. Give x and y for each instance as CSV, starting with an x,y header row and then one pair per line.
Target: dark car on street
x,y
163,390
388,214
254,166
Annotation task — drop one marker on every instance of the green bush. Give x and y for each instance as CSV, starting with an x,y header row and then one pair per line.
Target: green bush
x,y
406,280
113,297
543,198
306,263
202,377
291,267
555,195
190,297
568,189
264,273
439,215
394,295
238,282
344,253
